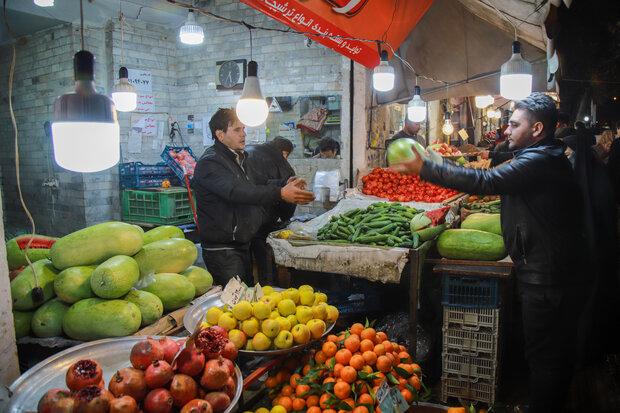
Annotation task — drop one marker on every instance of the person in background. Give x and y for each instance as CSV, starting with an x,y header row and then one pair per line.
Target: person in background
x,y
328,149
539,196
410,130
603,146
231,207
269,165
563,128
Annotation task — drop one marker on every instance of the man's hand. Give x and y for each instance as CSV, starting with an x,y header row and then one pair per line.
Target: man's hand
x,y
294,194
484,154
412,167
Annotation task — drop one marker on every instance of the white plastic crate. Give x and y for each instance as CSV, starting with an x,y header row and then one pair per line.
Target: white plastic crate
x,y
467,388
467,342
472,319
468,366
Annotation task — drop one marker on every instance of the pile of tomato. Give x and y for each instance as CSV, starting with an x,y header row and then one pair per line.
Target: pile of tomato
x,y
386,183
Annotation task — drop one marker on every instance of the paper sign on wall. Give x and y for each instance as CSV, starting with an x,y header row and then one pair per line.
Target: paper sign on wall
x,y
144,124
134,143
145,103
141,80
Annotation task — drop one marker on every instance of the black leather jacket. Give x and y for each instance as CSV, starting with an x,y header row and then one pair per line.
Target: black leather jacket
x,y
231,208
541,210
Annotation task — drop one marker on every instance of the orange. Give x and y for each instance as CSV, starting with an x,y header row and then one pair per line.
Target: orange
x,y
350,402
283,376
368,333
407,367
286,402
379,349
404,357
366,345
356,328
457,410
329,411
401,383
381,337
313,409
337,369
300,390
271,382
388,346
377,409
332,338
367,369
416,369
352,343
348,374
407,395
312,401
361,387
365,399
320,357
343,356
330,360
323,401
393,360
415,382
357,362
329,380
286,390
378,379
360,409
341,338
329,349
370,357
342,390
299,404
306,369
384,364
293,379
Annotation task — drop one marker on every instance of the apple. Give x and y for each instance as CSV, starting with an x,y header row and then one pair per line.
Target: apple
x,y
242,310
291,293
303,314
320,297
292,320
332,314
270,328
316,327
286,307
261,310
267,290
261,342
284,340
227,321
237,337
213,315
301,334
319,311
285,325
250,327
306,287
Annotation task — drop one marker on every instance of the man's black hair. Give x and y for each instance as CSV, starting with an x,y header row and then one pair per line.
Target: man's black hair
x,y
329,144
540,108
563,118
282,144
221,120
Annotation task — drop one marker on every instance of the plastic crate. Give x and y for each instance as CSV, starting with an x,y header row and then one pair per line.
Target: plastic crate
x,y
469,366
136,175
466,388
157,206
137,181
472,343
470,292
172,163
472,319
138,168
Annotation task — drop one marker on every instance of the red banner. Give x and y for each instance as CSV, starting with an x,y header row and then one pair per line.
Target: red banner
x,y
334,23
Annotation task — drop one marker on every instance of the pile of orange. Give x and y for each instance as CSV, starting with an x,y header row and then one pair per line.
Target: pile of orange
x,y
345,374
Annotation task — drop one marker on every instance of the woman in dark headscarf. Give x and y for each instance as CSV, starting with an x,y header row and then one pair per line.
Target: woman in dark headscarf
x,y
599,314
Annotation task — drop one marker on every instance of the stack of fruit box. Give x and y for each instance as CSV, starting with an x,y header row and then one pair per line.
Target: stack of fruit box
x,y
470,338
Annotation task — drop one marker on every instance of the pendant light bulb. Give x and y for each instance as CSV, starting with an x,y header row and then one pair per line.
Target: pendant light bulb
x,y
85,131
383,74
124,93
191,33
483,101
252,109
515,81
416,108
447,128
44,3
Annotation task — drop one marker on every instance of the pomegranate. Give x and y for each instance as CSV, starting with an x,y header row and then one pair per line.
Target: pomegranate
x,y
171,348
218,400
197,406
229,388
93,399
158,374
129,382
230,365
145,352
183,389
229,351
190,361
158,401
211,341
83,373
56,401
215,374
125,404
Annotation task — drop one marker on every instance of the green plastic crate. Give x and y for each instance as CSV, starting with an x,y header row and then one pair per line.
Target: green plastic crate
x,y
157,206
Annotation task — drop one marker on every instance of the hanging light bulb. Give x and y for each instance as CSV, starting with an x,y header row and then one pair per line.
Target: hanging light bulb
x,y
383,74
44,3
447,128
483,101
416,108
191,32
252,109
85,131
124,93
515,81
491,113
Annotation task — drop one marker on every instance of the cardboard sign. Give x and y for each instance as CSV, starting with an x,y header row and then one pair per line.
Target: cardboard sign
x,y
391,401
233,292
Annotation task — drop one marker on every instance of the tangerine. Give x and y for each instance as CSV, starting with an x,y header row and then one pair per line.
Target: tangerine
x,y
293,381
332,338
357,362
342,390
329,411
350,402
283,376
356,328
384,364
416,369
343,356
367,369
407,367
388,346
301,389
348,374
393,360
360,409
286,402
361,387
379,349
368,333
407,395
323,401
378,379
404,357
381,336
313,409
352,343
312,401
320,357
271,382
329,349
415,382
366,345
365,399
306,369
286,390
329,380
337,369
299,404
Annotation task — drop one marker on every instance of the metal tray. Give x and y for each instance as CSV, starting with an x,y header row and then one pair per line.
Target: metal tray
x,y
112,354
193,317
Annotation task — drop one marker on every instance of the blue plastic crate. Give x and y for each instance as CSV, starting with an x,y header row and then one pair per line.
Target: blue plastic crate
x,y
139,168
145,181
470,292
172,163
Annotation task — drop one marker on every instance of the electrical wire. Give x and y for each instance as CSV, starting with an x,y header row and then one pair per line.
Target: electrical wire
x,y
82,23
384,37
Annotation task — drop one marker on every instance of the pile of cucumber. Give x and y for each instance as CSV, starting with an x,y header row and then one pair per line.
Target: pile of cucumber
x,y
382,223
492,207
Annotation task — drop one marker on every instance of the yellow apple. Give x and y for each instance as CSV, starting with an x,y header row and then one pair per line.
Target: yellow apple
x,y
292,294
285,325
249,346
320,298
292,320
242,310
284,340
237,337
306,287
332,314
261,342
274,314
316,327
261,309
270,301
213,314
276,296
227,321
303,314
306,297
270,328
319,311
286,307
301,334
250,327
267,290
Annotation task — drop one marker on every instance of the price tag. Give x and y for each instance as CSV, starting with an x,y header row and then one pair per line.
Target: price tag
x,y
383,391
258,292
391,401
233,292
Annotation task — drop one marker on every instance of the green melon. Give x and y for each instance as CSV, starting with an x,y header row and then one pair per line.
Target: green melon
x,y
151,307
47,320
73,284
115,277
174,290
22,285
163,232
21,320
471,244
96,318
201,278
483,222
172,255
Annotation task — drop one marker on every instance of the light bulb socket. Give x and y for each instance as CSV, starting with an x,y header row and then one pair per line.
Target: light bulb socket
x,y
446,116
252,68
123,73
84,66
417,90
384,55
516,47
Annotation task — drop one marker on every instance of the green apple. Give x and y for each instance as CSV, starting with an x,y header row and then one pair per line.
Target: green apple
x,y
261,342
270,328
213,314
285,325
320,298
261,310
319,311
284,340
303,314
286,307
301,334
292,320
306,287
237,337
291,293
242,310
227,321
316,327
332,314
306,297
250,327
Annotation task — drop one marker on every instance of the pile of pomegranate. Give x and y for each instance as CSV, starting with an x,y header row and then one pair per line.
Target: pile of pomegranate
x,y
200,380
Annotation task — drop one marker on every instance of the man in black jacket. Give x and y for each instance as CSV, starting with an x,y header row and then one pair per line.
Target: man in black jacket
x,y
230,206
541,222
269,165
